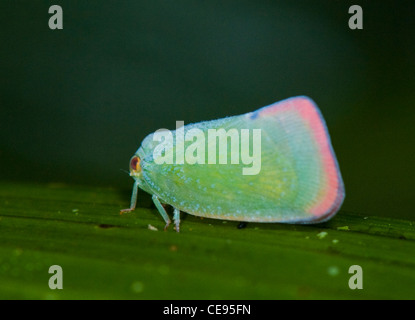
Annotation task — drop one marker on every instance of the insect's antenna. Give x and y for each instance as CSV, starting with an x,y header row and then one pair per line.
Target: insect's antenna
x,y
125,171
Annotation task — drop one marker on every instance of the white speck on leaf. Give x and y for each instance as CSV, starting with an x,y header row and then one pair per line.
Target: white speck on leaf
x,y
152,228
333,271
322,234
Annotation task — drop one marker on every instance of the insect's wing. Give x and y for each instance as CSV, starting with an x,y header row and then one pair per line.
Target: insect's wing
x,y
299,180
297,139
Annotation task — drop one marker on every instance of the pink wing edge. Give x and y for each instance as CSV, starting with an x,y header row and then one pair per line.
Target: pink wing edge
x,y
332,195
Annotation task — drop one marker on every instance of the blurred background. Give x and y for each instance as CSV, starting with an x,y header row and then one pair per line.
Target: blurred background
x,y
76,103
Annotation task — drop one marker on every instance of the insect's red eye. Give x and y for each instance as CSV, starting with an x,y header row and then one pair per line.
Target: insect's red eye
x,y
135,163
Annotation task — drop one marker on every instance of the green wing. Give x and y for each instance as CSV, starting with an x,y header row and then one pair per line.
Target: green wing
x,y
288,184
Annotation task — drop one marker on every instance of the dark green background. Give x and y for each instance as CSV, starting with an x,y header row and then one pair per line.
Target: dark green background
x,y
76,103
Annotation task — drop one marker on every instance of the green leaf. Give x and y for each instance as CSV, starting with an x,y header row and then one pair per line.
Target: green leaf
x,y
105,255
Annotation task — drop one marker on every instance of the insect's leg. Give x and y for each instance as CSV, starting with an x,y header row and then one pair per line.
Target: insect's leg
x,y
162,211
242,225
176,219
133,199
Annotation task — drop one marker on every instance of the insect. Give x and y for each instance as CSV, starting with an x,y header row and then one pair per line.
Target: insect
x,y
299,180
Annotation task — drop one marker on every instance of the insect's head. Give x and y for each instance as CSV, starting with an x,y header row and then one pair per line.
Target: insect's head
x,y
135,168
